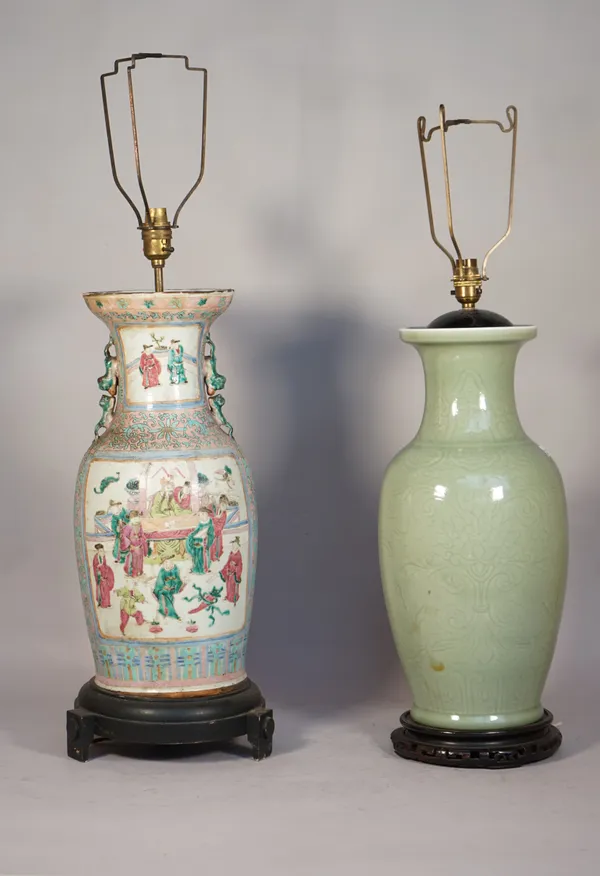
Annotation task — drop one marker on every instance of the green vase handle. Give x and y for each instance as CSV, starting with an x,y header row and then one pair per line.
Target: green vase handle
x,y
108,383
214,382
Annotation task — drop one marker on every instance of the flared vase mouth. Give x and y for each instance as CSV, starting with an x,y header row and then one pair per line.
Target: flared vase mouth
x,y
175,304
150,292
472,335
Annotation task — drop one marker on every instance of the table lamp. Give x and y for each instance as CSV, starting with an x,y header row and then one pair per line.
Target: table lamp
x,y
473,532
165,510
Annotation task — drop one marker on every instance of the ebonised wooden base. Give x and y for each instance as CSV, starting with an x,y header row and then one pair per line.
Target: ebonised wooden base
x,y
477,749
99,715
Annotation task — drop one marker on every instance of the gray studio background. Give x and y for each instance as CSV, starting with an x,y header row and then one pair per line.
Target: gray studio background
x,y
312,208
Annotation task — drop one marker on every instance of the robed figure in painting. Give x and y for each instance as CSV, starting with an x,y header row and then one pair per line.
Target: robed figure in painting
x,y
135,545
219,519
149,368
175,363
198,543
103,576
128,607
163,503
231,573
183,498
168,584
119,519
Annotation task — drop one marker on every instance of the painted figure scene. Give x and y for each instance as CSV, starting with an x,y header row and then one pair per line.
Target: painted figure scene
x,y
162,365
167,546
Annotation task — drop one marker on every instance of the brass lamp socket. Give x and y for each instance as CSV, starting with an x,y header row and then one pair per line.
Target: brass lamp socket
x,y
467,282
157,234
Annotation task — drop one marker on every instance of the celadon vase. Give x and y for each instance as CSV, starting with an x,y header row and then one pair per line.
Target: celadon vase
x,y
473,540
165,514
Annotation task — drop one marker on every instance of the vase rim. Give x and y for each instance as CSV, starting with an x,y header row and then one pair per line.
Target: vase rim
x,y
120,292
470,335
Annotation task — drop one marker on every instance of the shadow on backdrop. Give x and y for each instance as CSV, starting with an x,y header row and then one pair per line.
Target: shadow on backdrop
x,y
320,638
576,706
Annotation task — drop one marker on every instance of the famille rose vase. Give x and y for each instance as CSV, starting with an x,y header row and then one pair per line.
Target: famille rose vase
x,y
165,515
473,539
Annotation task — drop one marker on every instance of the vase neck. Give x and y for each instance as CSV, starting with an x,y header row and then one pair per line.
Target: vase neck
x,y
470,394
161,367
162,360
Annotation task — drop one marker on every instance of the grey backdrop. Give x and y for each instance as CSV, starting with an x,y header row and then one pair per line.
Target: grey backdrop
x,y
312,209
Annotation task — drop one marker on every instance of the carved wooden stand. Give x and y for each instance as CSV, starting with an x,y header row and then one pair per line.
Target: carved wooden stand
x,y
486,749
99,715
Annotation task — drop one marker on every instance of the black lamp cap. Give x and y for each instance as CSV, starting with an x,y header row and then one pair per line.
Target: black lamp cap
x,y
469,318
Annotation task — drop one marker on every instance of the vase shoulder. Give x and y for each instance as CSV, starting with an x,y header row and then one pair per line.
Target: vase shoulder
x,y
472,465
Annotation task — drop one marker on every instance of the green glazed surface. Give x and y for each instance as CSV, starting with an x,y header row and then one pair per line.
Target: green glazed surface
x,y
473,539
